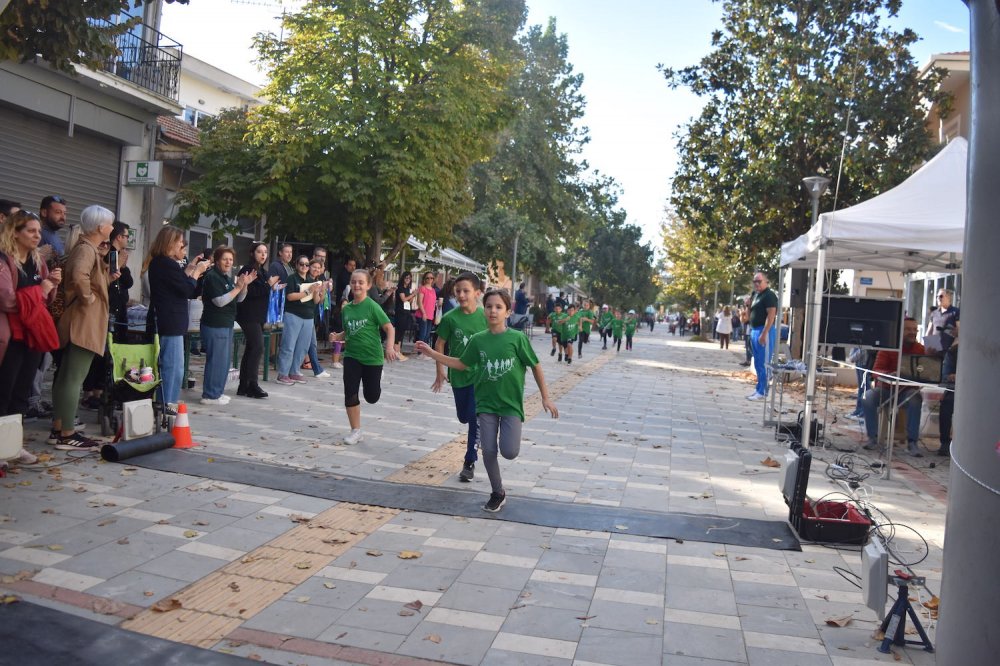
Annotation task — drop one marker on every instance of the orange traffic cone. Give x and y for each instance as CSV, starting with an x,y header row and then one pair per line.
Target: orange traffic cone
x,y
182,429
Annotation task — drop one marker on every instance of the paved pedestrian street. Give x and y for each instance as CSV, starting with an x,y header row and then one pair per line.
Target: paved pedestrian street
x,y
289,578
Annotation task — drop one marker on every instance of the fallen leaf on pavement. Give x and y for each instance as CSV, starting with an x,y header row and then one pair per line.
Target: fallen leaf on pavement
x,y
329,586
190,534
740,558
842,621
407,613
374,553
933,603
433,638
10,599
586,617
107,606
303,565
296,518
234,586
409,554
166,605
302,600
770,462
416,604
123,541
719,553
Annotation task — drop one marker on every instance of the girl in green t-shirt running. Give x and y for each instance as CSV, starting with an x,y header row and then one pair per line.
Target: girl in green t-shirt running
x,y
498,356
362,319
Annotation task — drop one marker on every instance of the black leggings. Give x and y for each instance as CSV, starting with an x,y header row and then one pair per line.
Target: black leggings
x,y
253,333
16,375
584,337
356,374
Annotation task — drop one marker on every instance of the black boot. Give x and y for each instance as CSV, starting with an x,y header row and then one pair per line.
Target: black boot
x,y
256,392
244,390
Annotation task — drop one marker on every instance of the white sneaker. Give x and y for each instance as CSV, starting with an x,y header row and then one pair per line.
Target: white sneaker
x,y
354,437
323,375
338,365
26,457
221,400
756,396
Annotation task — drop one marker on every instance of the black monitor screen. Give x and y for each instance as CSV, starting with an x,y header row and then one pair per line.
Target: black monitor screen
x,y
861,322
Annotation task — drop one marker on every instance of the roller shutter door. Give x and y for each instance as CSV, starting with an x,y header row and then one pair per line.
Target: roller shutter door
x,y
38,158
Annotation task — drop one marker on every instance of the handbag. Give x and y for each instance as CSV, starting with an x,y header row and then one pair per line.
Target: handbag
x,y
276,306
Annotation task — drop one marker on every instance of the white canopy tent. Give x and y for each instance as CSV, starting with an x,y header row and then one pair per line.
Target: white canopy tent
x,y
917,225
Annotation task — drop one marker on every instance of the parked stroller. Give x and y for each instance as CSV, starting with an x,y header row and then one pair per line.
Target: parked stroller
x,y
124,384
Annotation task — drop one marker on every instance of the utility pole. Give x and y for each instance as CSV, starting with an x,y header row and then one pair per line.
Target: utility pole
x,y
966,633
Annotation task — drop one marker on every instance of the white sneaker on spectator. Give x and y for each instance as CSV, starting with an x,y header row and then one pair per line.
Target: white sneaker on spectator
x,y
323,375
756,396
354,437
338,365
221,400
27,457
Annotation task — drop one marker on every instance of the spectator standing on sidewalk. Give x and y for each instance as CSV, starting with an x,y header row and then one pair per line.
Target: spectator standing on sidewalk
x,y
943,319
404,306
251,314
763,334
282,264
300,311
724,327
220,294
949,369
83,327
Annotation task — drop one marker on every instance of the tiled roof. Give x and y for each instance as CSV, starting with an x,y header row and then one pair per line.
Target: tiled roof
x,y
177,130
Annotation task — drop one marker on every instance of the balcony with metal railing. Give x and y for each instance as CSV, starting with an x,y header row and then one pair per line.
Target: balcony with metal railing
x,y
147,58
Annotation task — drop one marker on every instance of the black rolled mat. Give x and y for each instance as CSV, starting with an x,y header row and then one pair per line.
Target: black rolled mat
x,y
774,534
34,635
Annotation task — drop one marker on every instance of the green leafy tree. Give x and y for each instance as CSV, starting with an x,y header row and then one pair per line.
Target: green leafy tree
x,y
532,188
64,32
698,262
783,82
378,110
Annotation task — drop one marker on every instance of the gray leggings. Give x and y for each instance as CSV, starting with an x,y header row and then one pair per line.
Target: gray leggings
x,y
498,432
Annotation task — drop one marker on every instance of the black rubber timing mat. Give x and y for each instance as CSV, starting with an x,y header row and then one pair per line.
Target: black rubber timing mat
x,y
35,635
750,532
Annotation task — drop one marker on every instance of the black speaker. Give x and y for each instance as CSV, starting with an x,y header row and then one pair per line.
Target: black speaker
x,y
798,286
873,323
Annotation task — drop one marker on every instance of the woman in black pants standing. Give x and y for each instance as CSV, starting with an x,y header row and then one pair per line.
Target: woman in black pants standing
x,y
251,315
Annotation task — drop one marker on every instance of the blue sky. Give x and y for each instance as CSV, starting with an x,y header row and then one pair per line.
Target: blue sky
x,y
616,44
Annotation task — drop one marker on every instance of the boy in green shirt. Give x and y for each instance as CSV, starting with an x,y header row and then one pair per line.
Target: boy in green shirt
x,y
630,326
571,326
456,328
604,323
616,329
587,320
556,325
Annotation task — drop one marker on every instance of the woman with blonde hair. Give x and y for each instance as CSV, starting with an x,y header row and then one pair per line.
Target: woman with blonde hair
x,y
26,286
170,289
83,327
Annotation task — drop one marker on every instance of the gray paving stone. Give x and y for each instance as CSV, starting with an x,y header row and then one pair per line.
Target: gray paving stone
x,y
767,657
698,641
102,562
619,648
446,558
230,507
782,621
458,645
703,600
762,594
419,576
716,579
634,618
182,566
557,560
294,619
479,599
557,595
618,558
681,660
637,580
131,587
379,615
358,557
558,623
495,575
237,538
343,594
504,658
91,534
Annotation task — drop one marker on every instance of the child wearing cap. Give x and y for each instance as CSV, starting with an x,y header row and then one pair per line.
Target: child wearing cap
x,y
556,320
616,329
604,323
630,325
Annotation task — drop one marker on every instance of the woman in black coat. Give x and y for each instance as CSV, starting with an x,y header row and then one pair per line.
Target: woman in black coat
x,y
251,315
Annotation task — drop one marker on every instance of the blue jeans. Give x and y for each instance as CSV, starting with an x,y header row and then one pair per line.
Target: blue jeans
x,y
218,343
296,334
313,356
465,407
762,355
911,399
425,330
171,367
862,380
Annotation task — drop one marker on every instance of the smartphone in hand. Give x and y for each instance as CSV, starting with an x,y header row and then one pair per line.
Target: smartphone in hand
x,y
113,261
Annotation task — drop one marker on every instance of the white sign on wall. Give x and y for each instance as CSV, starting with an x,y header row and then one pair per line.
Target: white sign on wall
x,y
144,173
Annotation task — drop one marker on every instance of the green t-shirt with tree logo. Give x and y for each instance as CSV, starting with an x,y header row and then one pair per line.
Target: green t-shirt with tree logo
x,y
630,324
587,320
362,322
616,327
457,328
606,319
498,361
571,325
557,322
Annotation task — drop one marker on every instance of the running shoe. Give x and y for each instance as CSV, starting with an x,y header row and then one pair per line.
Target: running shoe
x,y
468,472
354,437
53,437
552,353
284,380
913,449
221,400
338,365
323,375
756,396
560,358
26,457
568,360
298,379
77,442
495,501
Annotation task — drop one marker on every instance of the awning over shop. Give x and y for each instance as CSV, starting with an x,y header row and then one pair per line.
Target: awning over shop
x,y
445,257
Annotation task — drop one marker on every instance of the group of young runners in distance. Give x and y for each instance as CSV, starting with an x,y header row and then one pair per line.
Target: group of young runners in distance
x,y
575,325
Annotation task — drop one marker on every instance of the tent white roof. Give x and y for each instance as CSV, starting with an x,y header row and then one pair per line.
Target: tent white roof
x,y
917,225
445,256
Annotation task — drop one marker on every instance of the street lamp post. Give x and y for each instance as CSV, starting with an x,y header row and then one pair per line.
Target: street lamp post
x,y
816,186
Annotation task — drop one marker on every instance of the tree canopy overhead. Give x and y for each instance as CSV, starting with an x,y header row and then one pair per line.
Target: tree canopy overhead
x,y
376,112
63,32
784,82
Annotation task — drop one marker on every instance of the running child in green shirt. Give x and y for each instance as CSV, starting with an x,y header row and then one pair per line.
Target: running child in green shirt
x,y
362,319
616,326
571,328
498,358
587,320
630,325
604,323
455,330
556,320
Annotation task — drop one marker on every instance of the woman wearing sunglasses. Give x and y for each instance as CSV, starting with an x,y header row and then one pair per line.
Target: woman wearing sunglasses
x,y
297,324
